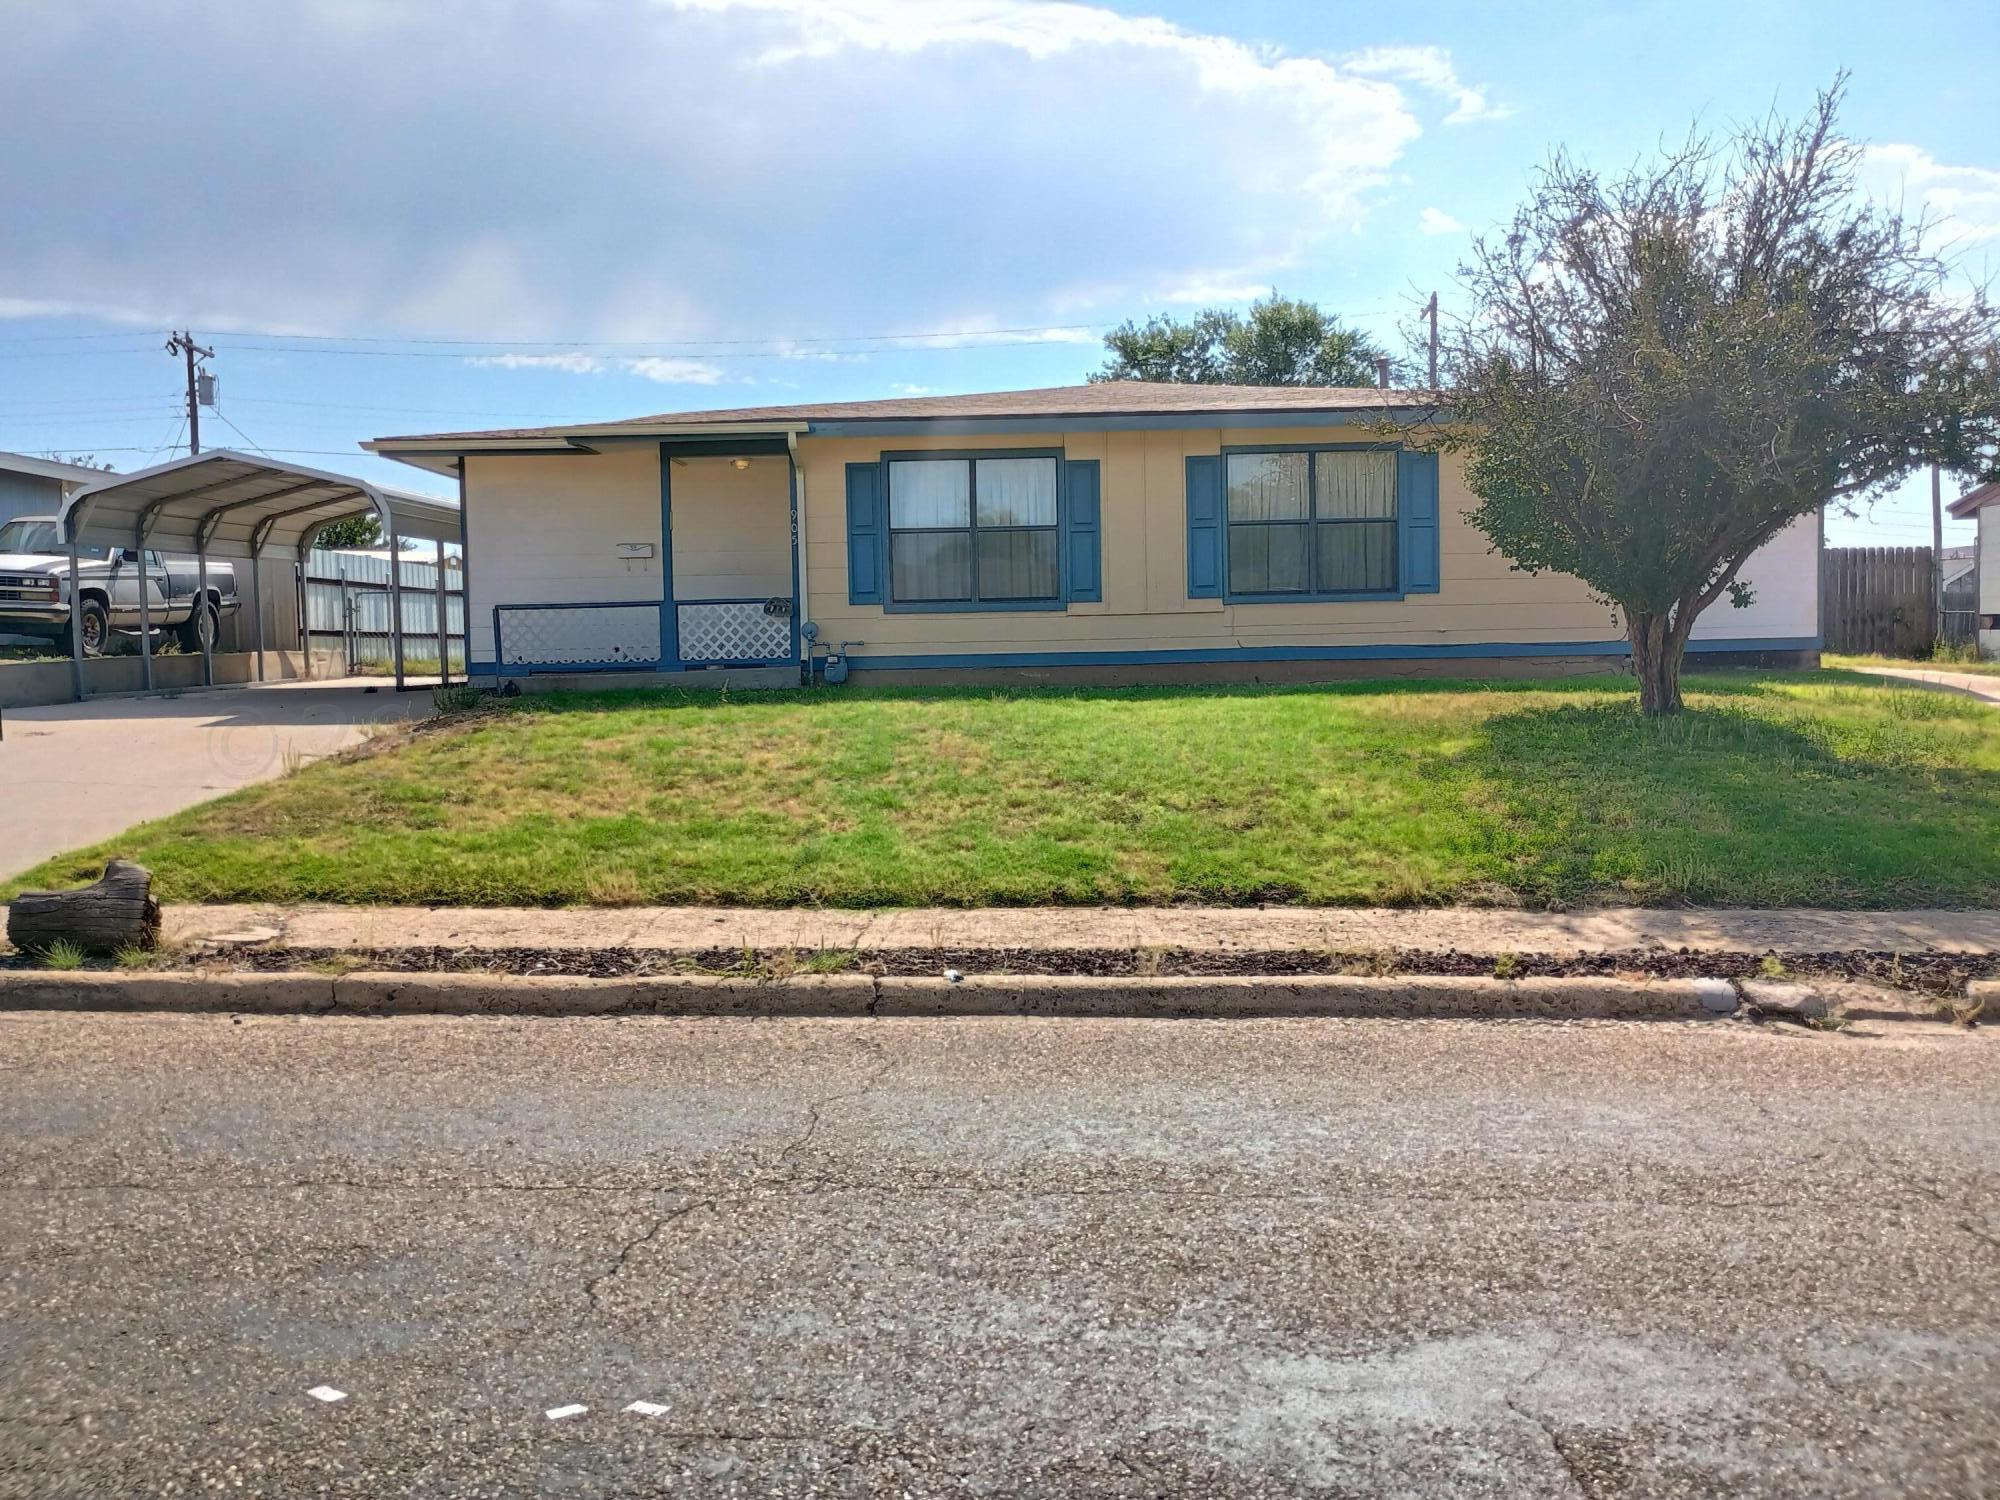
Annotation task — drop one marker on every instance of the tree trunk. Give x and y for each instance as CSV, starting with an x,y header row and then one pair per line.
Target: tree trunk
x,y
1657,648
117,912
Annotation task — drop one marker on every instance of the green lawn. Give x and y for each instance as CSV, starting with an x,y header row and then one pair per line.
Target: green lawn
x,y
1774,789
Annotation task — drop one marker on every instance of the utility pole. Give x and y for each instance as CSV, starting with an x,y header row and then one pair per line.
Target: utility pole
x,y
1432,311
183,344
1937,550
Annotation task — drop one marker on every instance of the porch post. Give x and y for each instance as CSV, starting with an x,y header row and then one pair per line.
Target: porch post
x,y
257,602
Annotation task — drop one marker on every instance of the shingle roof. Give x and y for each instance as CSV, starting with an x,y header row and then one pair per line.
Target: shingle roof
x,y
1973,500
1106,398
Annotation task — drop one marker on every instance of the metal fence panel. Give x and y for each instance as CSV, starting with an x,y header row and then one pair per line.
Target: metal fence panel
x,y
347,605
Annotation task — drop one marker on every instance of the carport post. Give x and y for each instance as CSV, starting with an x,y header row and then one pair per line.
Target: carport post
x,y
396,600
444,627
145,615
206,637
75,622
257,602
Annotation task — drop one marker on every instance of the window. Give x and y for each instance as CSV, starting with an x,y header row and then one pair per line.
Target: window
x,y
42,537
1312,522
973,531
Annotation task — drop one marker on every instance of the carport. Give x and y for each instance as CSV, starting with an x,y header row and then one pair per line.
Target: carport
x,y
226,504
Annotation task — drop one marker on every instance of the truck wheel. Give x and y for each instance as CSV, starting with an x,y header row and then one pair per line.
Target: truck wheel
x,y
199,627
96,625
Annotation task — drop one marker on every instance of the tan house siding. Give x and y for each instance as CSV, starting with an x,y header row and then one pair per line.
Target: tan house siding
x,y
1144,544
546,529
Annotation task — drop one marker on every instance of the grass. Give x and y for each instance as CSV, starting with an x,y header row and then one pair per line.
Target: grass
x,y
1773,789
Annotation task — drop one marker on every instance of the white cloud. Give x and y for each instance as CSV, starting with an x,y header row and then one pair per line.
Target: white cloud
x,y
675,371
904,388
569,363
666,369
1429,68
1208,290
1437,221
694,170
1963,202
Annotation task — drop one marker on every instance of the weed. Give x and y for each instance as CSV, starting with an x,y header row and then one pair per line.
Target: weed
x,y
1770,966
1505,965
62,954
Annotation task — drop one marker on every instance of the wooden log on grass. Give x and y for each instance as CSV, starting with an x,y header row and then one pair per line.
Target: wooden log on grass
x,y
118,911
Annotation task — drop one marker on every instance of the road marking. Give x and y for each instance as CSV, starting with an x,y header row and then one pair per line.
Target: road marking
x,y
557,1413
327,1394
646,1408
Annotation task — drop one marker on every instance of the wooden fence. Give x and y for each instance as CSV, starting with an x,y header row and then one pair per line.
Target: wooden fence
x,y
1878,600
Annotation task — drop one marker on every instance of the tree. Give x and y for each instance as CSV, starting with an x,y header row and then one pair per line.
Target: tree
x,y
1664,370
1280,342
353,533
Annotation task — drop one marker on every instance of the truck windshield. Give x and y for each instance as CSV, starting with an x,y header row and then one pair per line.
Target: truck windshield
x,y
40,536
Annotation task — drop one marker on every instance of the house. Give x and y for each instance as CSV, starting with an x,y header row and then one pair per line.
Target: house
x,y
1982,505
38,486
1123,531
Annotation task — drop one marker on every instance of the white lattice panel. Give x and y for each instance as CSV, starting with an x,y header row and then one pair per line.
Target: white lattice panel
x,y
595,635
734,631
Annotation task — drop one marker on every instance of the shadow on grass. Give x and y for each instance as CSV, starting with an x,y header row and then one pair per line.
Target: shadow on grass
x,y
1725,804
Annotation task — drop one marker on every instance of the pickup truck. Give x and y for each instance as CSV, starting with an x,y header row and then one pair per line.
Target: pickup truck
x,y
34,589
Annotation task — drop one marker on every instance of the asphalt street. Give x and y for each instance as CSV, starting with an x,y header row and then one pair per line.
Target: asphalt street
x,y
1009,1257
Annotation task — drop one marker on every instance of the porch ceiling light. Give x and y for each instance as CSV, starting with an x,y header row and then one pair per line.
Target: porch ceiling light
x,y
739,463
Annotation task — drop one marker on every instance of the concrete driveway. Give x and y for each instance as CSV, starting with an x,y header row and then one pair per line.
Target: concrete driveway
x,y
1003,1257
74,773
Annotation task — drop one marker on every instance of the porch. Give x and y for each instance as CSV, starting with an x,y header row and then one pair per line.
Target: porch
x,y
725,568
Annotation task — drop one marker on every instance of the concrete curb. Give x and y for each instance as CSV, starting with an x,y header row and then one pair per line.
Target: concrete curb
x,y
386,994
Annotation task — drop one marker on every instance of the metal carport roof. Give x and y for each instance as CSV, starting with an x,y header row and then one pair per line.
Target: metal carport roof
x,y
231,504
236,505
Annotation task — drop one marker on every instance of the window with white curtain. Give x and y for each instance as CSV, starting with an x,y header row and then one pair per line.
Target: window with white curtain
x,y
973,531
1311,522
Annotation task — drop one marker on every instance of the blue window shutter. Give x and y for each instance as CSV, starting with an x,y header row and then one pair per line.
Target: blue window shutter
x,y
1086,582
1417,521
1204,520
864,533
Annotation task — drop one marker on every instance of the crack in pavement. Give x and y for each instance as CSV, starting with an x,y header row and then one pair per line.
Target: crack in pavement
x,y
625,1251
816,1108
1510,1398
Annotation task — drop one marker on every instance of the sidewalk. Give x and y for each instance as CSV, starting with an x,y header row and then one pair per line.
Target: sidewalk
x,y
1196,929
1983,686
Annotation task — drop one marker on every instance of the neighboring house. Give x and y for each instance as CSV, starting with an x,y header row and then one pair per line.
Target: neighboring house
x,y
1112,532
38,486
1982,505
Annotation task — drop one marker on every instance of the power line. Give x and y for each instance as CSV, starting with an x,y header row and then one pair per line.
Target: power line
x,y
653,344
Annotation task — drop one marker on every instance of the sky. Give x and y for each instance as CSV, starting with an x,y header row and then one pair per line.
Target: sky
x,y
389,218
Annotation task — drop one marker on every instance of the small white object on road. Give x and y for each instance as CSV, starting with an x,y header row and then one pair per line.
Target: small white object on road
x,y
954,977
646,1408
327,1394
557,1413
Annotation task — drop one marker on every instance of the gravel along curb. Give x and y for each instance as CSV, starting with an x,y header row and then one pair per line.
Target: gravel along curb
x,y
383,994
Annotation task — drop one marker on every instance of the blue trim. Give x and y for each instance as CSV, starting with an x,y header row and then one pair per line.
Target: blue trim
x,y
1055,604
1204,522
670,624
1083,530
792,499
1467,652
1420,567
867,562
1129,422
723,447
